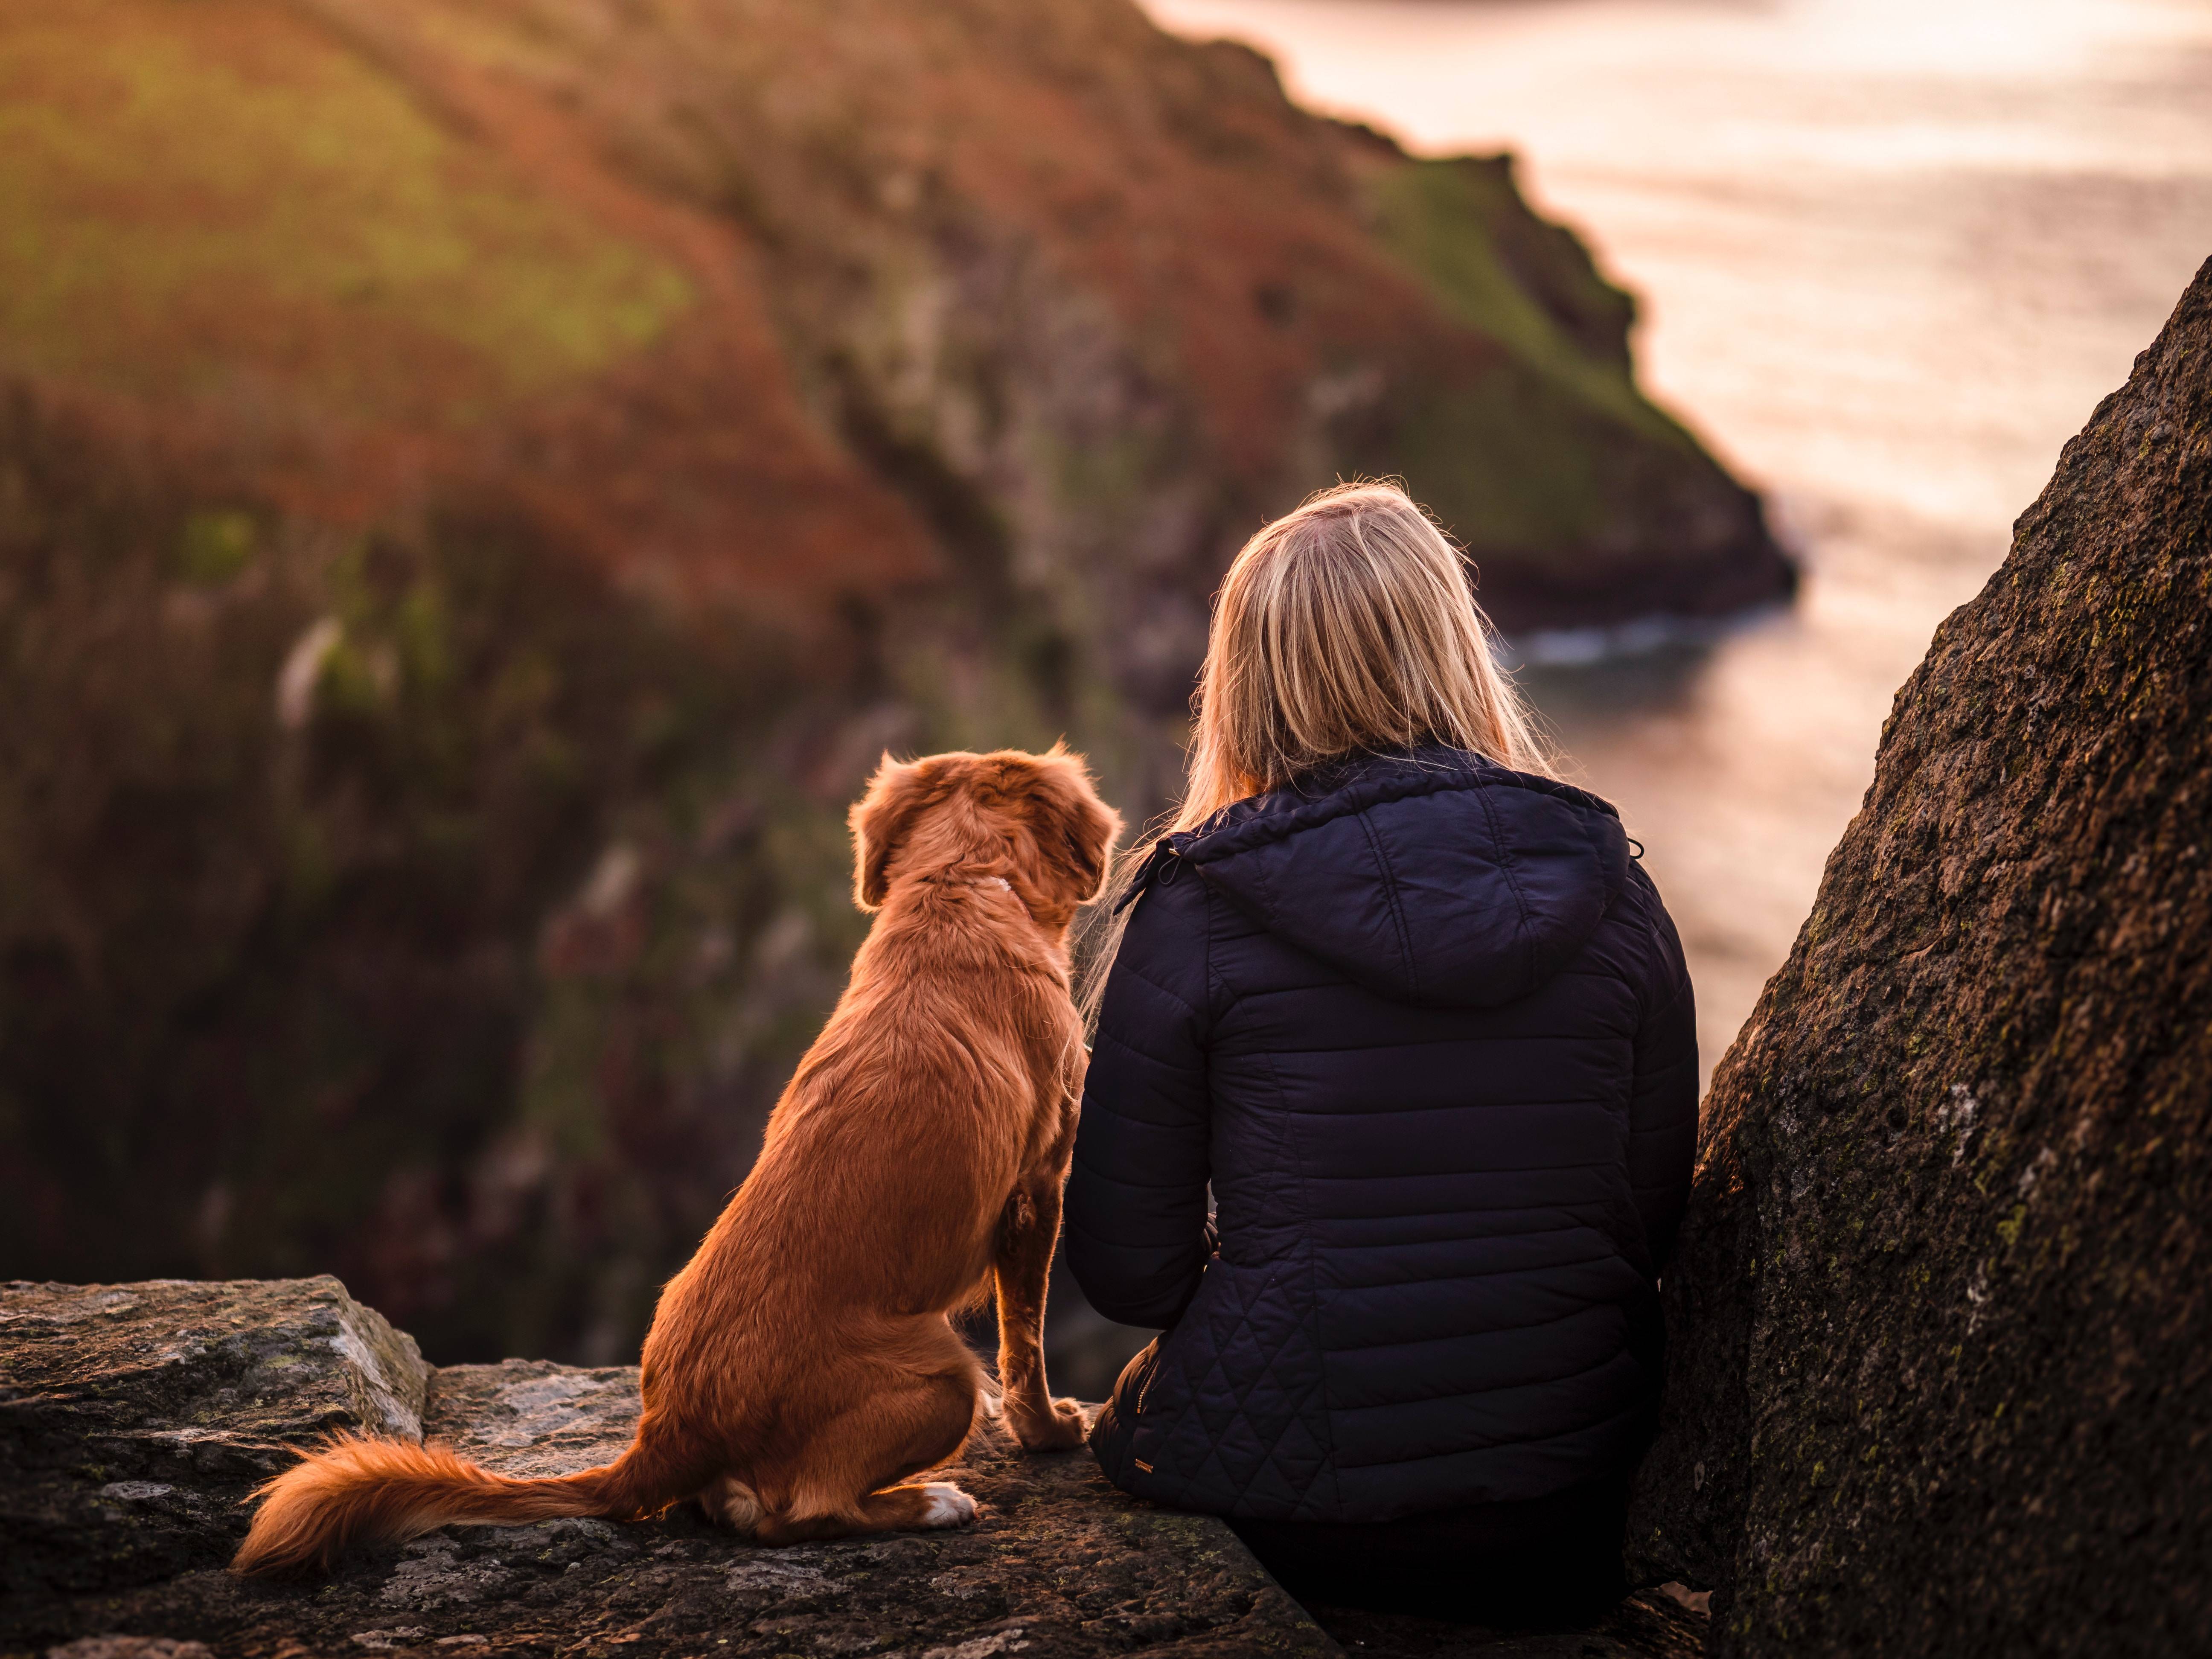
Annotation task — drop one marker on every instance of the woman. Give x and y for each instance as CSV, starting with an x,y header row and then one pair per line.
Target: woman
x,y
1408,1007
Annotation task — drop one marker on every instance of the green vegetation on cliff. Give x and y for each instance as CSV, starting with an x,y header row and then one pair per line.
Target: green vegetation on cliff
x,y
189,194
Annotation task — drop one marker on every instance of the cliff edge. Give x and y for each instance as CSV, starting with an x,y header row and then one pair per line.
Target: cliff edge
x,y
1941,1374
136,1419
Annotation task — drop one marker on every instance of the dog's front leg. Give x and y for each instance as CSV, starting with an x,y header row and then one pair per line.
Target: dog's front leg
x,y
1028,1231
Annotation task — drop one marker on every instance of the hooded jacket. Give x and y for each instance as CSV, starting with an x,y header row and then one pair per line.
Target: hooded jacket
x,y
1423,1026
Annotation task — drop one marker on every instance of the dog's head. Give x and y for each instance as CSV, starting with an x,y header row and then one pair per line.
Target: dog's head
x,y
1036,820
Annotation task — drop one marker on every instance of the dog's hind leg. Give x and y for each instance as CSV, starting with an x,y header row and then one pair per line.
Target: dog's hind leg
x,y
850,1481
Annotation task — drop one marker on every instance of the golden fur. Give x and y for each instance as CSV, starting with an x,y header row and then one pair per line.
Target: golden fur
x,y
801,1368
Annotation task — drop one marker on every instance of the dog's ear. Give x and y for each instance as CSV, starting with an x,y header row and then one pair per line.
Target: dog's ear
x,y
880,820
1075,831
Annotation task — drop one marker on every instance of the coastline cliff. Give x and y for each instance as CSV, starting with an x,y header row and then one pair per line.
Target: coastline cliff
x,y
781,305
480,484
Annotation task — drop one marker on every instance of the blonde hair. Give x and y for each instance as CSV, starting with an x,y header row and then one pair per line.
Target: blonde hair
x,y
1346,627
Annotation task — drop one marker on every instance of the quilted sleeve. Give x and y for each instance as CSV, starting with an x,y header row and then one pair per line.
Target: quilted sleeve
x,y
1136,1220
1663,1111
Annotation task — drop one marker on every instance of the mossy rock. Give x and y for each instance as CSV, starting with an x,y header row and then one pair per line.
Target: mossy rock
x,y
1941,1367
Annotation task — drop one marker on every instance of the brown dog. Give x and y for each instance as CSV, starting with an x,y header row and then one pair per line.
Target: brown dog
x,y
801,1368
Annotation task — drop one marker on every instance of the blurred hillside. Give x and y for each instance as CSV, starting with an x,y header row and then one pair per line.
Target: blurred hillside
x,y
479,484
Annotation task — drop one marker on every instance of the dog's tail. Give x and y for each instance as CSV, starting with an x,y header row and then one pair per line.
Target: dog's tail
x,y
354,1489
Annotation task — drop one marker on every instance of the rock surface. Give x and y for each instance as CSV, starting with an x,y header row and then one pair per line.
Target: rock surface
x,y
1941,1372
133,1418
1059,1564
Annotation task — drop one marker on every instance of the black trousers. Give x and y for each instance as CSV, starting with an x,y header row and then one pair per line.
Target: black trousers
x,y
1547,1561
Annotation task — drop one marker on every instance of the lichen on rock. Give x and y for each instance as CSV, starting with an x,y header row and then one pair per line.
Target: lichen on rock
x,y
1941,1379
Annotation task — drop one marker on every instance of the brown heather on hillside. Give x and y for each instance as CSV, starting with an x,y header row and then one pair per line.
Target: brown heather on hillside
x,y
1940,1379
480,484
764,298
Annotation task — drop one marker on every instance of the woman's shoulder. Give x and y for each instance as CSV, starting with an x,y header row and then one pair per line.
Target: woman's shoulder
x,y
1163,939
1167,901
1653,949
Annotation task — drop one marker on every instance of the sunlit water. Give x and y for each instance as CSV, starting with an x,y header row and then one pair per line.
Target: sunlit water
x,y
1890,253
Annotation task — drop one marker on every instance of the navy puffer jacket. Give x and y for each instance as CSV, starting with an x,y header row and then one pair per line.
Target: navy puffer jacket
x,y
1423,1025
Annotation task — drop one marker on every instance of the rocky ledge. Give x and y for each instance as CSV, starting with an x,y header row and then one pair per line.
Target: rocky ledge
x,y
134,1418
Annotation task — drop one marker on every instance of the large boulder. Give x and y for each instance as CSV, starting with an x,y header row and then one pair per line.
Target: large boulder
x,y
1941,1375
134,1417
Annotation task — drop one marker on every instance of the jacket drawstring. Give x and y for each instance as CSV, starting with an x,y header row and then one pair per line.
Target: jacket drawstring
x,y
1163,862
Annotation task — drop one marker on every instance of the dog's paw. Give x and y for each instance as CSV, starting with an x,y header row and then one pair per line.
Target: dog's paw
x,y
945,1505
1062,1431
735,1505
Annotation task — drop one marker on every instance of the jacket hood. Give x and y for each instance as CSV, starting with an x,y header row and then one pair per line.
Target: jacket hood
x,y
1431,877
